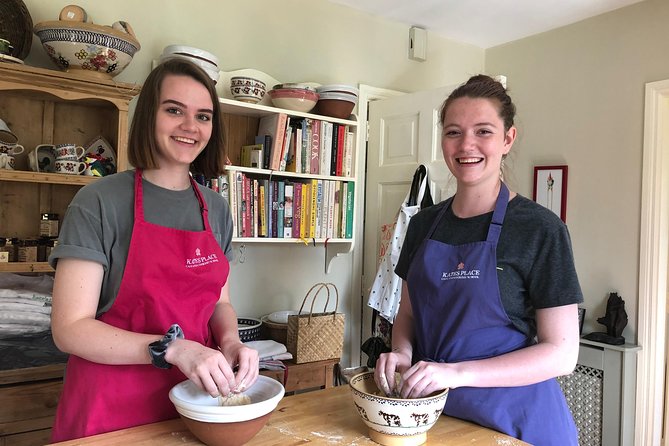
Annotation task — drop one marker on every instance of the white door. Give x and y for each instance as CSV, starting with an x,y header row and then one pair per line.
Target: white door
x,y
404,132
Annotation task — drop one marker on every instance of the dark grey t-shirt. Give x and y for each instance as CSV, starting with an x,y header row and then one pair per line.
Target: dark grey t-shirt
x,y
98,223
534,253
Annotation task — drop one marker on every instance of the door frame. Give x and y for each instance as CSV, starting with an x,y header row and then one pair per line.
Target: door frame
x,y
360,326
653,249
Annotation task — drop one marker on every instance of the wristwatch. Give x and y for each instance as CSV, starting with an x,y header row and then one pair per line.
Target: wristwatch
x,y
158,349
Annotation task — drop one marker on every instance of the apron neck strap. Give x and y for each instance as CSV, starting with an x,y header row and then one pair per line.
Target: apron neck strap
x,y
139,199
495,227
498,214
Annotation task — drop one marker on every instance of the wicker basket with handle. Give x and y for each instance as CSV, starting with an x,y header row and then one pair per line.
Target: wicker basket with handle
x,y
316,336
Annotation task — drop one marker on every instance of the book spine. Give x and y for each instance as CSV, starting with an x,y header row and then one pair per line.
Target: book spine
x,y
334,148
280,210
326,147
262,232
279,140
267,150
232,195
350,195
336,228
286,145
314,166
288,211
270,206
297,132
248,207
255,218
331,209
319,209
304,210
313,208
348,154
239,180
297,209
341,142
275,208
305,150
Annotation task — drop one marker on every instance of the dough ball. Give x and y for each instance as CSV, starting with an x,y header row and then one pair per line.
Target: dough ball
x,y
234,399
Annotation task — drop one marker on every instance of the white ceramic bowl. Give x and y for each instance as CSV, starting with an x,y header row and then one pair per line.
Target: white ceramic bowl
x,y
211,70
393,421
90,48
217,425
280,317
191,51
339,88
296,99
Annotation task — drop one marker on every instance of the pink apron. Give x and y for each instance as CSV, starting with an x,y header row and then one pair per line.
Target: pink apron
x,y
171,276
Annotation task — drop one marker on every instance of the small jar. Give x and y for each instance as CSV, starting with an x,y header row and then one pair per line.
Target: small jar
x,y
50,243
8,245
41,249
48,225
4,251
27,250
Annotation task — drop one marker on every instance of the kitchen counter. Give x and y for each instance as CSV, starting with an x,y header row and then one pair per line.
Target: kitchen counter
x,y
320,417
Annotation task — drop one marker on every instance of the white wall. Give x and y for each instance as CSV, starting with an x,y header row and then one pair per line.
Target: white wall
x,y
580,97
293,41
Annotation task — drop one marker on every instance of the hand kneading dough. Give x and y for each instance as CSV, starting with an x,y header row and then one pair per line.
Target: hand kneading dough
x,y
234,399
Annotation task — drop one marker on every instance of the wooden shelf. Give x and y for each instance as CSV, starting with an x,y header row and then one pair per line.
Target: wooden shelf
x,y
257,110
25,267
45,178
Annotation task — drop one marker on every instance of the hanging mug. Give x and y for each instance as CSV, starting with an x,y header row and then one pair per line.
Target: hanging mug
x,y
7,161
6,135
71,152
70,167
11,149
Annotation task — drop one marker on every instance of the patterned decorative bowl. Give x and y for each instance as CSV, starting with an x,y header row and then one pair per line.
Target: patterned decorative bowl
x,y
247,89
394,421
93,49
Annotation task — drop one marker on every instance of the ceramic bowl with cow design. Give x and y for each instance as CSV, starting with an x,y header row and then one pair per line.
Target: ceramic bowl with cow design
x,y
395,421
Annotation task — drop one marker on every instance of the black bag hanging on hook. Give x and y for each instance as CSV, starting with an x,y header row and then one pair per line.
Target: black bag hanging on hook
x,y
418,176
385,293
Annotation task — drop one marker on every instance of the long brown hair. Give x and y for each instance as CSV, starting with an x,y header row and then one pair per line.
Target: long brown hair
x,y
142,145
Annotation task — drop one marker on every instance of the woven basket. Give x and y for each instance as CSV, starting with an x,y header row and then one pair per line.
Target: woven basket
x,y
16,25
316,336
249,328
272,330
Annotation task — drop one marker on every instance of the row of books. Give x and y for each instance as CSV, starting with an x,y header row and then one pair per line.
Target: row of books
x,y
301,145
288,208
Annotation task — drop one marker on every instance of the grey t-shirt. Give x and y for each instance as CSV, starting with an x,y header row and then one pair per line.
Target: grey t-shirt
x,y
534,255
99,221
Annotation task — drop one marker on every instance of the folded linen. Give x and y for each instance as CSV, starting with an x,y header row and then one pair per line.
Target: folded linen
x,y
13,306
24,317
267,349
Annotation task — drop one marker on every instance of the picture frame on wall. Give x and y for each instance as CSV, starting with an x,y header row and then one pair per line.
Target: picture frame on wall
x,y
550,189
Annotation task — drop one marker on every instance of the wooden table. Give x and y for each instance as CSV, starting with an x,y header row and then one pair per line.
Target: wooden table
x,y
325,417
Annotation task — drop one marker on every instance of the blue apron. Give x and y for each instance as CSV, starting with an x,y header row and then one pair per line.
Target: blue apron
x,y
459,316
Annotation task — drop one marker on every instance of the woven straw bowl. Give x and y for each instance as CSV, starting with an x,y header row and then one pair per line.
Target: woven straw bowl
x,y
395,421
217,425
93,49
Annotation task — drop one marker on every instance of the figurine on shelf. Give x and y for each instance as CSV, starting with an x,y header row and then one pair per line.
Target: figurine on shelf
x,y
615,321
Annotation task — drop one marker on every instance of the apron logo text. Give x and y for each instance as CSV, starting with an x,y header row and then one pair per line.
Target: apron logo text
x,y
461,273
200,260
